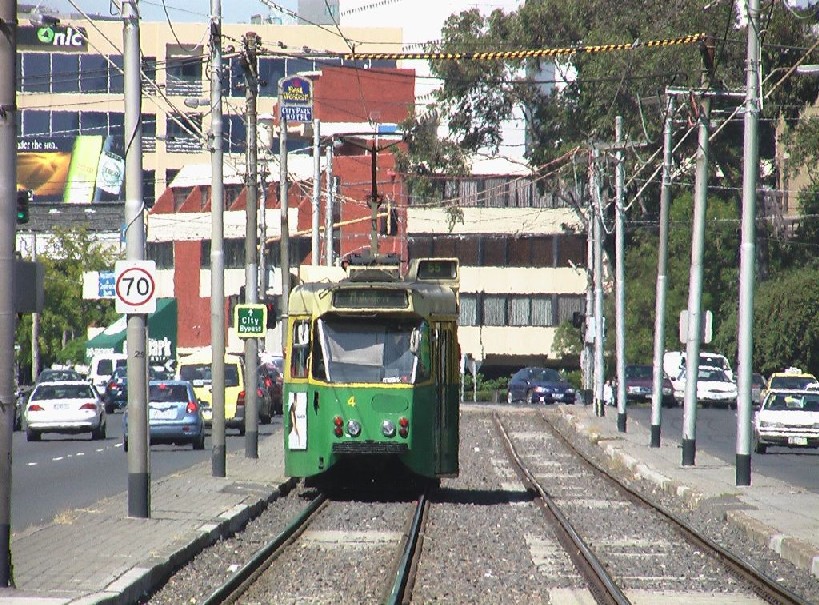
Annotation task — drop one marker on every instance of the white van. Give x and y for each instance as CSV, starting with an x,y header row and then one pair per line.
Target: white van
x,y
102,366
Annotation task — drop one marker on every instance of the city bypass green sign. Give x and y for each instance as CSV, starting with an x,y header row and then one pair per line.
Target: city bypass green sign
x,y
250,321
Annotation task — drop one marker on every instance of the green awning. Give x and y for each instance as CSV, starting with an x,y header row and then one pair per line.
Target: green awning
x,y
161,335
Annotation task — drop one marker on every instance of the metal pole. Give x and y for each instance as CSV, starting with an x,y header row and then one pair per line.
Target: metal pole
x,y
263,239
139,453
284,241
251,268
620,279
35,323
745,337
374,204
599,363
217,254
588,355
692,347
662,287
315,252
328,211
8,319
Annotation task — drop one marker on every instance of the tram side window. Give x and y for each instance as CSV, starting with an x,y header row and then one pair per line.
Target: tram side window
x,y
301,349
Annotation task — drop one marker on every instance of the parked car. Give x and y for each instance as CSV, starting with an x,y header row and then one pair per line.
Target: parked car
x,y
174,415
115,395
540,385
102,366
788,418
714,388
64,407
198,371
273,384
639,385
757,386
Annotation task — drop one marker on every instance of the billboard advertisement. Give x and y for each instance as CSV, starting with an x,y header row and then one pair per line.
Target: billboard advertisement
x,y
75,170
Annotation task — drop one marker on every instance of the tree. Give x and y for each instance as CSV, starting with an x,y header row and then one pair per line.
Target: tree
x,y
66,316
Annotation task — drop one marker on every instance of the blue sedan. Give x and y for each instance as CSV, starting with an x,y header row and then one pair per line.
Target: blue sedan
x,y
540,385
174,415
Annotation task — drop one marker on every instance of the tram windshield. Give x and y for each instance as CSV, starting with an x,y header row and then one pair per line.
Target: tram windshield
x,y
369,351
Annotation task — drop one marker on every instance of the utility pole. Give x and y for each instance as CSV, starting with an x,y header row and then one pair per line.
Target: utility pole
x,y
692,351
139,454
328,211
620,278
597,216
315,252
374,203
284,241
263,236
8,222
251,268
588,351
745,337
35,323
662,286
217,253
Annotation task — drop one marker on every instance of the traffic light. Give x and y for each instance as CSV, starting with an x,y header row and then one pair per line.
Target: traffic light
x,y
23,198
272,318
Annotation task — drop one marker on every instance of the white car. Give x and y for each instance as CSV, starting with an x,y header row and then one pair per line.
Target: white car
x,y
64,407
714,388
789,418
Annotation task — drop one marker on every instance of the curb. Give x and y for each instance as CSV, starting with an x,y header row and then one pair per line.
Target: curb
x,y
152,573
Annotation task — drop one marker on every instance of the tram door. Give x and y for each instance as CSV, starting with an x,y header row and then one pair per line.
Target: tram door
x,y
446,416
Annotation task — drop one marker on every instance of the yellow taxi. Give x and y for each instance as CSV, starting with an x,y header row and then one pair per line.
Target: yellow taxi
x,y
196,369
789,379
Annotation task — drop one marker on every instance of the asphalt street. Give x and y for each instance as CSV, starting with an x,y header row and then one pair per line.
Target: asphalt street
x,y
63,472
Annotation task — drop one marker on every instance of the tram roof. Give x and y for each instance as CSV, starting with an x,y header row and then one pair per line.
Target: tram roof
x,y
425,299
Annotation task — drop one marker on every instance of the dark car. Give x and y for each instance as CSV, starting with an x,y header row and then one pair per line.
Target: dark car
x,y
272,378
540,385
174,415
639,385
115,395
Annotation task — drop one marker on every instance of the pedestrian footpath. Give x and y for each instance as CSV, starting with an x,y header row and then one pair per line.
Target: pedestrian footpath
x,y
100,555
774,514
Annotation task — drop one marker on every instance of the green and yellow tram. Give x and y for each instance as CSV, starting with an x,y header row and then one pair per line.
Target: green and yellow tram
x,y
371,375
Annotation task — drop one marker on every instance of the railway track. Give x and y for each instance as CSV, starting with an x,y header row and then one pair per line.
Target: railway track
x,y
254,581
608,576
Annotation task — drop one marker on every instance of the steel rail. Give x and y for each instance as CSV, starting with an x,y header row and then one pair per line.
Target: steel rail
x,y
244,576
600,582
406,563
762,584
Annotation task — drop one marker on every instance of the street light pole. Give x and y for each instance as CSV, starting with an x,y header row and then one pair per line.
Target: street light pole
x,y
251,267
217,254
8,195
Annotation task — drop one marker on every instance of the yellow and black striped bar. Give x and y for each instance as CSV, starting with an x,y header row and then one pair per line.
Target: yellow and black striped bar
x,y
523,54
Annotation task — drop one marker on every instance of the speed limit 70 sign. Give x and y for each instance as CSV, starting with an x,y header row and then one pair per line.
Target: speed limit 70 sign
x,y
135,286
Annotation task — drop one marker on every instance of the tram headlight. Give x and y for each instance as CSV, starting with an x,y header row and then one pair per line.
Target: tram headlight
x,y
388,428
353,428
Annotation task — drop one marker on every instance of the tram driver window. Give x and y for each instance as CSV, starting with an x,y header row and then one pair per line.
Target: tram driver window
x,y
300,349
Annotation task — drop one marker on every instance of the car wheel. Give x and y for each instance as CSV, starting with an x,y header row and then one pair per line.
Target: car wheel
x,y
242,431
530,398
99,433
124,444
759,448
32,435
199,444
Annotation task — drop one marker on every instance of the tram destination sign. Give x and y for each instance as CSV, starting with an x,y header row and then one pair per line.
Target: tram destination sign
x,y
370,298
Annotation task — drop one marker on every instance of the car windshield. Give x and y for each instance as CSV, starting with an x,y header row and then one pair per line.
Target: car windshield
x,y
545,375
161,393
791,382
639,372
713,361
202,371
714,375
62,391
804,402
56,375
366,351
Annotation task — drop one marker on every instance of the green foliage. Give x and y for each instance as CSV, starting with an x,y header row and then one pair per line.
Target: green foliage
x,y
66,316
785,329
568,340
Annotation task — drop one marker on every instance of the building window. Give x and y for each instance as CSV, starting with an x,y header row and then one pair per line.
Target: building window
x,y
468,310
270,72
519,311
65,123
494,310
493,252
183,133
36,73
161,253
116,77
94,70
184,76
66,73
567,304
233,250
235,134
542,311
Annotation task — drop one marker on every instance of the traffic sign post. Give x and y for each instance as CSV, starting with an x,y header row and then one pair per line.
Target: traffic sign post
x,y
135,286
250,321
